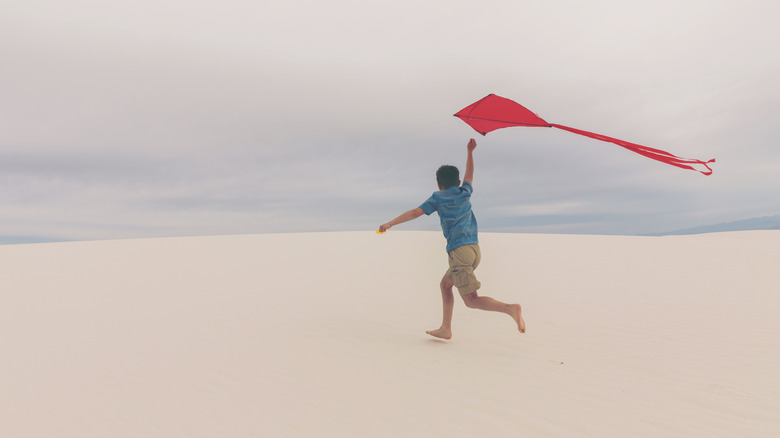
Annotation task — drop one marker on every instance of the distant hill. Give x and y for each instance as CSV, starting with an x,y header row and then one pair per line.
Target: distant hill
x,y
758,223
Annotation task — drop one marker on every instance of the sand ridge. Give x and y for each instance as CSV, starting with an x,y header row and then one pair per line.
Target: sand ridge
x,y
323,334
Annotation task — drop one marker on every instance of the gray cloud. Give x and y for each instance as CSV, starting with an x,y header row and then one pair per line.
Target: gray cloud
x,y
300,116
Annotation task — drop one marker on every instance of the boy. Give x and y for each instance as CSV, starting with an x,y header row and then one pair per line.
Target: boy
x,y
453,203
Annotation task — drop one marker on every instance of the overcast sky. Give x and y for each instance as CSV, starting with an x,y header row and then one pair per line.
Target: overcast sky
x,y
129,119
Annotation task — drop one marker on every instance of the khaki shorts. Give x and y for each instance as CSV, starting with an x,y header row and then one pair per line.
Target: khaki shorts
x,y
463,261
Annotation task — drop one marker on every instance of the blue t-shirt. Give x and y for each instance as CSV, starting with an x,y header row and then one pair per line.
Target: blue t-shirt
x,y
457,220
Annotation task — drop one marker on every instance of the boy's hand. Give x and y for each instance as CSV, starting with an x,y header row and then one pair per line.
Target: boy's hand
x,y
472,145
384,227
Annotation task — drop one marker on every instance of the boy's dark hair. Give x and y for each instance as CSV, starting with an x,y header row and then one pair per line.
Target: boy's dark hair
x,y
447,176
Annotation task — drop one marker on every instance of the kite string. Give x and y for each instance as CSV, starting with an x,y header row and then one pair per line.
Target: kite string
x,y
655,154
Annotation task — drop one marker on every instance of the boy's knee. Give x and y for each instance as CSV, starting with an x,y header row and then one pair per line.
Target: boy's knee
x,y
470,300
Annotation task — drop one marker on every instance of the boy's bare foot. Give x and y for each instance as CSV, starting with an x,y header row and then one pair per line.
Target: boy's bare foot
x,y
443,333
516,312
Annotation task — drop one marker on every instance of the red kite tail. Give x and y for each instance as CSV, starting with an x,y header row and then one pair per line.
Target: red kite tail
x,y
655,154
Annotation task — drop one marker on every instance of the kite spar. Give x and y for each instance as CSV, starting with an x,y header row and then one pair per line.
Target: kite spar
x,y
495,112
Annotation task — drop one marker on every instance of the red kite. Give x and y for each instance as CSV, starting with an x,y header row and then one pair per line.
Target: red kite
x,y
495,112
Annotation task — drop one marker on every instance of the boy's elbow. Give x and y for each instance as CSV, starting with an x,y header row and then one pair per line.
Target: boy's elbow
x,y
417,212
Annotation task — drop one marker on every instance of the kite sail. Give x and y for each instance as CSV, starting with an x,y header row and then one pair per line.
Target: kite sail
x,y
495,112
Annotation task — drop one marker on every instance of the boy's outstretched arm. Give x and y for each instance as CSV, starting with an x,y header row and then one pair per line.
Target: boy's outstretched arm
x,y
406,217
469,175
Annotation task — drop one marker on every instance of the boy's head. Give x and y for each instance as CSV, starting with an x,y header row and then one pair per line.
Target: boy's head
x,y
447,176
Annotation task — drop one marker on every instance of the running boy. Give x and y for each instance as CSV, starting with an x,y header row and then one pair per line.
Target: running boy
x,y
453,203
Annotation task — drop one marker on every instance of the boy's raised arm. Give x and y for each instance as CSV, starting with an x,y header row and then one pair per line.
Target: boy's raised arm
x,y
469,175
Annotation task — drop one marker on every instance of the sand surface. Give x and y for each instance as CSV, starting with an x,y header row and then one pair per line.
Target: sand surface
x,y
323,335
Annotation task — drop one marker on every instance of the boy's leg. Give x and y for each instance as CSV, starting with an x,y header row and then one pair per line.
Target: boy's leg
x,y
475,301
448,303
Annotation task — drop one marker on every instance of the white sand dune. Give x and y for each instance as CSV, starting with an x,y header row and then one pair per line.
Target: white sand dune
x,y
323,335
